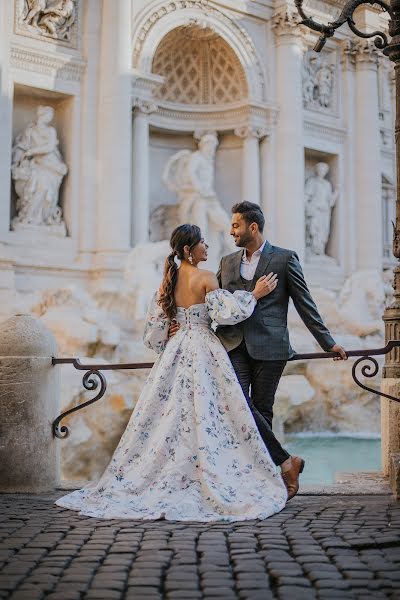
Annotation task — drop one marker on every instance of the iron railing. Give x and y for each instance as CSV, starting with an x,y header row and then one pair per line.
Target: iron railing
x,y
93,375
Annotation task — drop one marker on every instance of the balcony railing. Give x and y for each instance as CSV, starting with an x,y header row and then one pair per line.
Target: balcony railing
x,y
94,376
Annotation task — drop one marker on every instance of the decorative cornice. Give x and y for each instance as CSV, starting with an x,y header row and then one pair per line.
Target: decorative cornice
x,y
54,65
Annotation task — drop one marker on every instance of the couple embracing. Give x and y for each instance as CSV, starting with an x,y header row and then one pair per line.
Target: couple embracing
x,y
199,445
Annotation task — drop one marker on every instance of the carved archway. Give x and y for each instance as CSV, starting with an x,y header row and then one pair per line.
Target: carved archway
x,y
160,18
198,67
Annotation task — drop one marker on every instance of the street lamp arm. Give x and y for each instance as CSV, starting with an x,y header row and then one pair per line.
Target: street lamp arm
x,y
346,15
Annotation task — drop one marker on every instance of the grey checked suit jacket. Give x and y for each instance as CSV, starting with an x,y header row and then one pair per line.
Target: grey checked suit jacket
x,y
265,332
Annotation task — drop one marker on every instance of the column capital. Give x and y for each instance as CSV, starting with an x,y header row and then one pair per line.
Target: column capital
x,y
251,131
143,105
286,23
348,54
366,53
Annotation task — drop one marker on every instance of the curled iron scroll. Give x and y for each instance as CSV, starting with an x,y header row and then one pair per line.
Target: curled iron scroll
x,y
369,370
346,16
90,382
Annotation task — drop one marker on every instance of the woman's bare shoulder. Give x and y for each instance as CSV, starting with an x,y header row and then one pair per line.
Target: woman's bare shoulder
x,y
209,279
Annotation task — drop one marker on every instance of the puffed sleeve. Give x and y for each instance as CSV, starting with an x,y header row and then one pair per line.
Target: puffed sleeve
x,y
225,308
156,328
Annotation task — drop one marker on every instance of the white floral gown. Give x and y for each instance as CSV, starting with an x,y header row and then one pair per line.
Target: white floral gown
x,y
191,450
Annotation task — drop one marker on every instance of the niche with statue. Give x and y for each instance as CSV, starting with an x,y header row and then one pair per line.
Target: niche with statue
x,y
321,203
39,162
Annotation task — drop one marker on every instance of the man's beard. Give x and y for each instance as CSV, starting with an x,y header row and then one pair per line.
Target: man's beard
x,y
244,240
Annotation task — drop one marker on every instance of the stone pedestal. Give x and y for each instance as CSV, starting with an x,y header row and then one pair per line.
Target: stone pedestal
x,y
29,402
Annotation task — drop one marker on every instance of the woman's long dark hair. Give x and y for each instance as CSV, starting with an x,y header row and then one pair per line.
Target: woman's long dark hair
x,y
184,235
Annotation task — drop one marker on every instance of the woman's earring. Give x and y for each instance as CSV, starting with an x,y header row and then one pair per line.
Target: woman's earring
x,y
190,259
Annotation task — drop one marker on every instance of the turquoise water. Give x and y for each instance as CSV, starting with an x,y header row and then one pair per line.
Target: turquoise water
x,y
326,455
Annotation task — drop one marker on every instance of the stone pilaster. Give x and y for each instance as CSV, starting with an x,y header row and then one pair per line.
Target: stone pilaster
x,y
367,157
114,125
289,216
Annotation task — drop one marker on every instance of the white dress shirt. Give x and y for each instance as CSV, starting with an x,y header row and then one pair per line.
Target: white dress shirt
x,y
248,267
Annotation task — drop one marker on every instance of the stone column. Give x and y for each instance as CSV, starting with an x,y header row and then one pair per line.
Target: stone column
x,y
290,220
114,125
140,171
29,403
367,158
251,183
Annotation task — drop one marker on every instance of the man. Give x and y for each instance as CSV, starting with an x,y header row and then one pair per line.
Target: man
x,y
259,347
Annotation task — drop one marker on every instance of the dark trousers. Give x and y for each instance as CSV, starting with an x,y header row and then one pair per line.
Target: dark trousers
x,y
259,380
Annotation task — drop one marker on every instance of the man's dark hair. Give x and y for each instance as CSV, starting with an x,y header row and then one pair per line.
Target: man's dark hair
x,y
251,213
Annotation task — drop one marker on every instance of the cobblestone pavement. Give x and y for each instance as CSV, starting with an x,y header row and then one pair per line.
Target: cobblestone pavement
x,y
323,547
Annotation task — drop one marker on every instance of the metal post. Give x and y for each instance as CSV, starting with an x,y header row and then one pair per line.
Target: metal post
x,y
392,313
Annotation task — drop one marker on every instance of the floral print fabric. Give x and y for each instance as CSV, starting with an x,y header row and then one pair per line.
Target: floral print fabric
x,y
191,450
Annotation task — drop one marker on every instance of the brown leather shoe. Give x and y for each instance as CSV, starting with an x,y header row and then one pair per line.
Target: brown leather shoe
x,y
291,476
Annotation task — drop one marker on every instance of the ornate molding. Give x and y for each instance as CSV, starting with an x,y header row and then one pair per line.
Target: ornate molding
x,y
57,66
48,22
143,89
319,130
202,14
220,118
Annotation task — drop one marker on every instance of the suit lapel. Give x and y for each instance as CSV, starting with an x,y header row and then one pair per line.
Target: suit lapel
x,y
263,263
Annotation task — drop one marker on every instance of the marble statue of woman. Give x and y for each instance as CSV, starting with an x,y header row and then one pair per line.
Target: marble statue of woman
x,y
191,175
37,170
320,198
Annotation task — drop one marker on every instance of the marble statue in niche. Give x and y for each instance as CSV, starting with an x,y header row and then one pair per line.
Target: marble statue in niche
x,y
190,174
52,18
37,170
320,198
318,80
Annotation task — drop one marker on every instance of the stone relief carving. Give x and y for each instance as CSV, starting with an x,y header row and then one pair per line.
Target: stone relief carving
x,y
50,18
320,198
190,174
37,170
318,81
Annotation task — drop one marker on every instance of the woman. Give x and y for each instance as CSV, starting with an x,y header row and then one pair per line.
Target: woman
x,y
191,450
